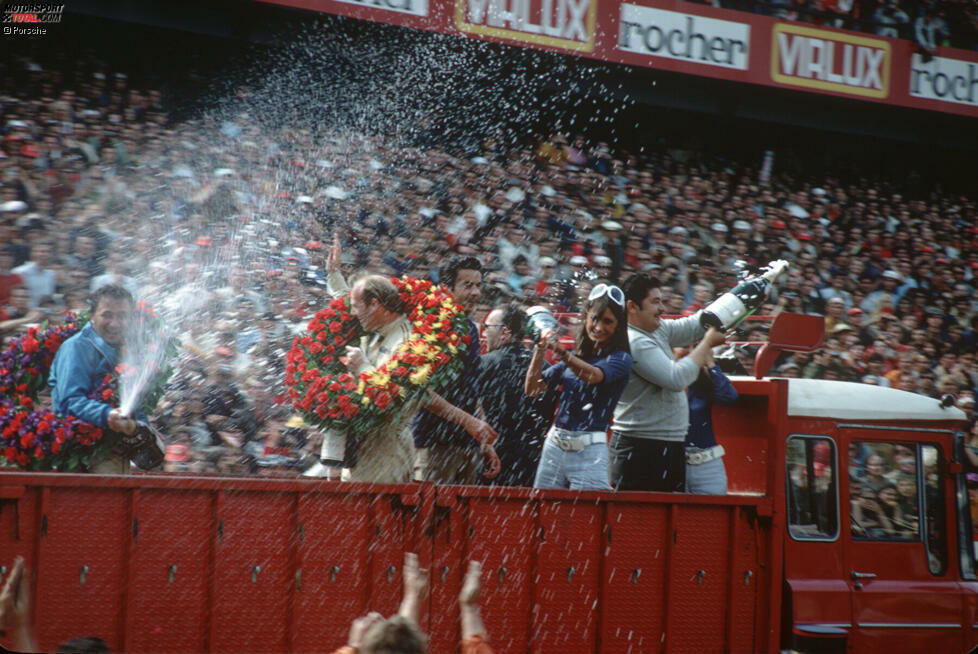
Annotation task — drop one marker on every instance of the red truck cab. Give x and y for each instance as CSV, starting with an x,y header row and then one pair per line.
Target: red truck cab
x,y
876,527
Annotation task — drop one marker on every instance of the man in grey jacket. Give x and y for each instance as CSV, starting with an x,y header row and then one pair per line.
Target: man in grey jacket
x,y
652,416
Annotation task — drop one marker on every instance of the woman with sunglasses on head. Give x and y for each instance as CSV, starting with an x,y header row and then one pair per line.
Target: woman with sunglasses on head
x,y
591,379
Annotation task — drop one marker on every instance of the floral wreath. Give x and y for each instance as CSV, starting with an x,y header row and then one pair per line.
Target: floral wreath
x,y
327,395
35,438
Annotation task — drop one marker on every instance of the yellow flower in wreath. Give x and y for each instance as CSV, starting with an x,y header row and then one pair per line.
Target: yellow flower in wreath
x,y
420,376
379,379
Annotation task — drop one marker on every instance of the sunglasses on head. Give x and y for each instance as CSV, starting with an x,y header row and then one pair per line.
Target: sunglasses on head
x,y
615,293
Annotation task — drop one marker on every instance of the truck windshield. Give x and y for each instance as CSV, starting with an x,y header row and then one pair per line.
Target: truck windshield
x,y
812,488
884,497
894,495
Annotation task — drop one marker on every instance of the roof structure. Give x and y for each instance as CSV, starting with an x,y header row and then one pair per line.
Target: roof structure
x,y
821,398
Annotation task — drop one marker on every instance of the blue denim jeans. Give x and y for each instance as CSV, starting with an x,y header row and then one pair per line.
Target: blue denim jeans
x,y
708,478
586,469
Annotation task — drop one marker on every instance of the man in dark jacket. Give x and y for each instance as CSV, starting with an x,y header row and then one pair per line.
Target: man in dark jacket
x,y
450,452
522,421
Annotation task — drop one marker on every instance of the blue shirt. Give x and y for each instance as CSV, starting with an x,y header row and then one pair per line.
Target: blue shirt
x,y
589,407
700,409
79,366
427,428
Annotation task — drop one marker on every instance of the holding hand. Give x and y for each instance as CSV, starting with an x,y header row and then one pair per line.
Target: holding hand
x,y
714,337
121,423
355,358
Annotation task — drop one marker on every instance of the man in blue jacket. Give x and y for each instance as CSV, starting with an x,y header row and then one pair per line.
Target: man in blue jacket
x,y
83,361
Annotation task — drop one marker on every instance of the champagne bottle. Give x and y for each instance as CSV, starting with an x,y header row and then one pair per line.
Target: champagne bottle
x,y
540,322
145,446
730,309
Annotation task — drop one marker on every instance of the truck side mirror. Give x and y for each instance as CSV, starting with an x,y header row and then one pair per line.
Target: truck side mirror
x,y
795,332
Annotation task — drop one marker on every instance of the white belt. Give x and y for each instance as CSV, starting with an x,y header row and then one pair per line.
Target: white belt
x,y
695,456
575,441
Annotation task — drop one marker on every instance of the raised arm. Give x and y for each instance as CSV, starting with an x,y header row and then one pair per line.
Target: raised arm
x,y
653,365
584,370
415,588
533,383
335,282
468,602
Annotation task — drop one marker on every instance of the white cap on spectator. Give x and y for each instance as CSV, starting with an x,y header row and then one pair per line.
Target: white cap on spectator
x,y
679,229
601,260
515,194
13,205
611,225
720,227
304,199
224,172
741,224
548,190
335,193
892,274
578,260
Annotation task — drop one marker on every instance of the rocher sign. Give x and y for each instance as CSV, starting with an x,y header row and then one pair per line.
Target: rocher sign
x,y
674,35
413,7
945,80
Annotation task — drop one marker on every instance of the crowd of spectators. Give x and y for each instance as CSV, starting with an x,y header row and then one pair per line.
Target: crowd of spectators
x,y
929,23
219,223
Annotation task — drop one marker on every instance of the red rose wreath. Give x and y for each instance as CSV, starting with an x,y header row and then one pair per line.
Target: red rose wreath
x,y
328,396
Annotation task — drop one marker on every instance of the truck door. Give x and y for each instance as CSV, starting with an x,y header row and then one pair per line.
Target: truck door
x,y
904,598
814,564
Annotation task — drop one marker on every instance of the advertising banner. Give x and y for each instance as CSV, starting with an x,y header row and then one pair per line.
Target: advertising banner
x,y
699,40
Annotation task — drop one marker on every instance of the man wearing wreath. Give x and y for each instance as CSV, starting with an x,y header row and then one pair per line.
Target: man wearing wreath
x,y
386,456
83,361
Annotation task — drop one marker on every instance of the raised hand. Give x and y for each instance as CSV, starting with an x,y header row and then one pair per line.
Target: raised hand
x,y
335,257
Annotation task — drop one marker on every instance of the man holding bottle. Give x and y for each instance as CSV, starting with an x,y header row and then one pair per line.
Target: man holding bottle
x,y
647,450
